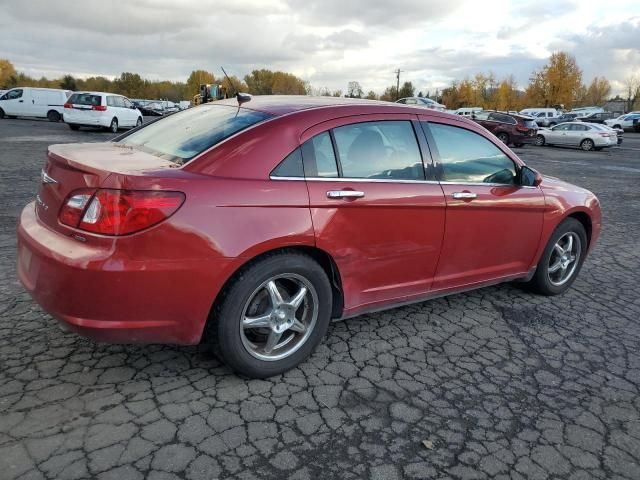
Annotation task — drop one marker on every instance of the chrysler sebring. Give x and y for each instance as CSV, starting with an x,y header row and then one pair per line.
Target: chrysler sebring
x,y
250,223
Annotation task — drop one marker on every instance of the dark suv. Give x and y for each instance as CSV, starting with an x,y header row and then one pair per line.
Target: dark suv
x,y
509,128
597,117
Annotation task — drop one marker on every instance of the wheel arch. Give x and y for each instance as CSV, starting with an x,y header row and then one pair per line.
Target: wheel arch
x,y
585,219
323,258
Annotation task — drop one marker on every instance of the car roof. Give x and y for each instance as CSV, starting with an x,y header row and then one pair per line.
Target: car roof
x,y
282,104
99,93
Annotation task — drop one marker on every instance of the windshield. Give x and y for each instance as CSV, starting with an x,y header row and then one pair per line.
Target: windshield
x,y
183,135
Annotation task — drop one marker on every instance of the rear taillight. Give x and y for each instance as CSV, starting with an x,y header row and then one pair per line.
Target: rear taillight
x,y
522,128
71,212
99,108
605,135
119,212
68,105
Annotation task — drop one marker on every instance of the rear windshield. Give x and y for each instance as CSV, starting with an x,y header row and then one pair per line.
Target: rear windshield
x,y
182,136
85,99
529,123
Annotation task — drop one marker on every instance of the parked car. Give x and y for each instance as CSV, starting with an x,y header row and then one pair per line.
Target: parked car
x,y
148,112
577,134
599,117
100,109
252,226
467,111
34,102
552,121
422,102
623,121
584,111
541,112
510,129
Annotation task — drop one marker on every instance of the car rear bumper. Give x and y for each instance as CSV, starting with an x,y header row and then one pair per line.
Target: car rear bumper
x,y
101,294
79,117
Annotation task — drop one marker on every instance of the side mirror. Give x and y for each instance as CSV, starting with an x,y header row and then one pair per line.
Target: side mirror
x,y
529,177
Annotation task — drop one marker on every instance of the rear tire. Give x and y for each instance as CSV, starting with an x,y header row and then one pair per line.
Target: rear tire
x,y
503,137
587,145
545,281
248,297
73,126
540,141
53,116
113,126
1,113
518,145
11,116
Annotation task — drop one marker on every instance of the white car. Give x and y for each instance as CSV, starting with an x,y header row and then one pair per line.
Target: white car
x,y
467,111
623,121
34,102
99,109
587,136
423,102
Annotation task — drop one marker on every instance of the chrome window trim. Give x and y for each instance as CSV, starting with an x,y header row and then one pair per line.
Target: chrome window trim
x,y
361,180
481,184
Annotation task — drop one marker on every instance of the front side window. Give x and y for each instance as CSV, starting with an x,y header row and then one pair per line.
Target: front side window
x,y
467,157
183,135
379,150
127,102
13,94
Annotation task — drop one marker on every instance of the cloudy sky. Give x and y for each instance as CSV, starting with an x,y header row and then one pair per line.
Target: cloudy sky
x,y
327,42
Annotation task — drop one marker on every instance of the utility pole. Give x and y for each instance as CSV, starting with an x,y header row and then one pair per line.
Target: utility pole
x,y
397,72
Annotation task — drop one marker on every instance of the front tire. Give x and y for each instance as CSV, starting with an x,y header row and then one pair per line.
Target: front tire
x,y
53,116
139,122
587,145
561,260
272,315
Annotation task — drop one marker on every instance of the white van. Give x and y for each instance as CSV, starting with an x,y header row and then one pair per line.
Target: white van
x,y
541,112
34,102
584,111
467,111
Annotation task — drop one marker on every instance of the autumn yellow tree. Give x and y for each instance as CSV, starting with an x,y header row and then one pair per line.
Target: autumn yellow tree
x,y
506,95
197,78
7,74
559,82
597,92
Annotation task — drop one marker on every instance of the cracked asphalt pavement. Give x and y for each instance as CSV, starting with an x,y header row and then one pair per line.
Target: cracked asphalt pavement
x,y
496,383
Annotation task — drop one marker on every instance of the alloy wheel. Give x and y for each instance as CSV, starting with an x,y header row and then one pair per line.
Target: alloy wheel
x,y
564,258
587,145
279,317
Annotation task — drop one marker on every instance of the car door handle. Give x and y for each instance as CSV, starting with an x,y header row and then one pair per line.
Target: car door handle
x,y
464,195
344,194
20,101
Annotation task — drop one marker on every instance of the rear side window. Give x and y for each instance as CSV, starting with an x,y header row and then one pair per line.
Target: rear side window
x,y
85,99
379,150
183,135
291,166
319,158
467,157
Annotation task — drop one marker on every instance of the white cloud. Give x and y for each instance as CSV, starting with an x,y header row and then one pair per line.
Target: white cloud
x,y
327,42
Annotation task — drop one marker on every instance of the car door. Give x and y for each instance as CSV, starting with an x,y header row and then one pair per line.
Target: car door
x,y
493,224
12,101
373,209
132,114
558,134
576,134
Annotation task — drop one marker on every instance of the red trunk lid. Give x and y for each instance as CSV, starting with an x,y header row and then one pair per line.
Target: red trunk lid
x,y
86,165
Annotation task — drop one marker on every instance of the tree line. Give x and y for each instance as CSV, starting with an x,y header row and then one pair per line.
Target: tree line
x,y
559,82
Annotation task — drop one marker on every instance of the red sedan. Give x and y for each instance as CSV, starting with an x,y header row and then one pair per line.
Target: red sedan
x,y
251,226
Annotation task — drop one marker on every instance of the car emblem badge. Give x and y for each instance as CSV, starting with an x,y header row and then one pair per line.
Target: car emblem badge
x,y
46,178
